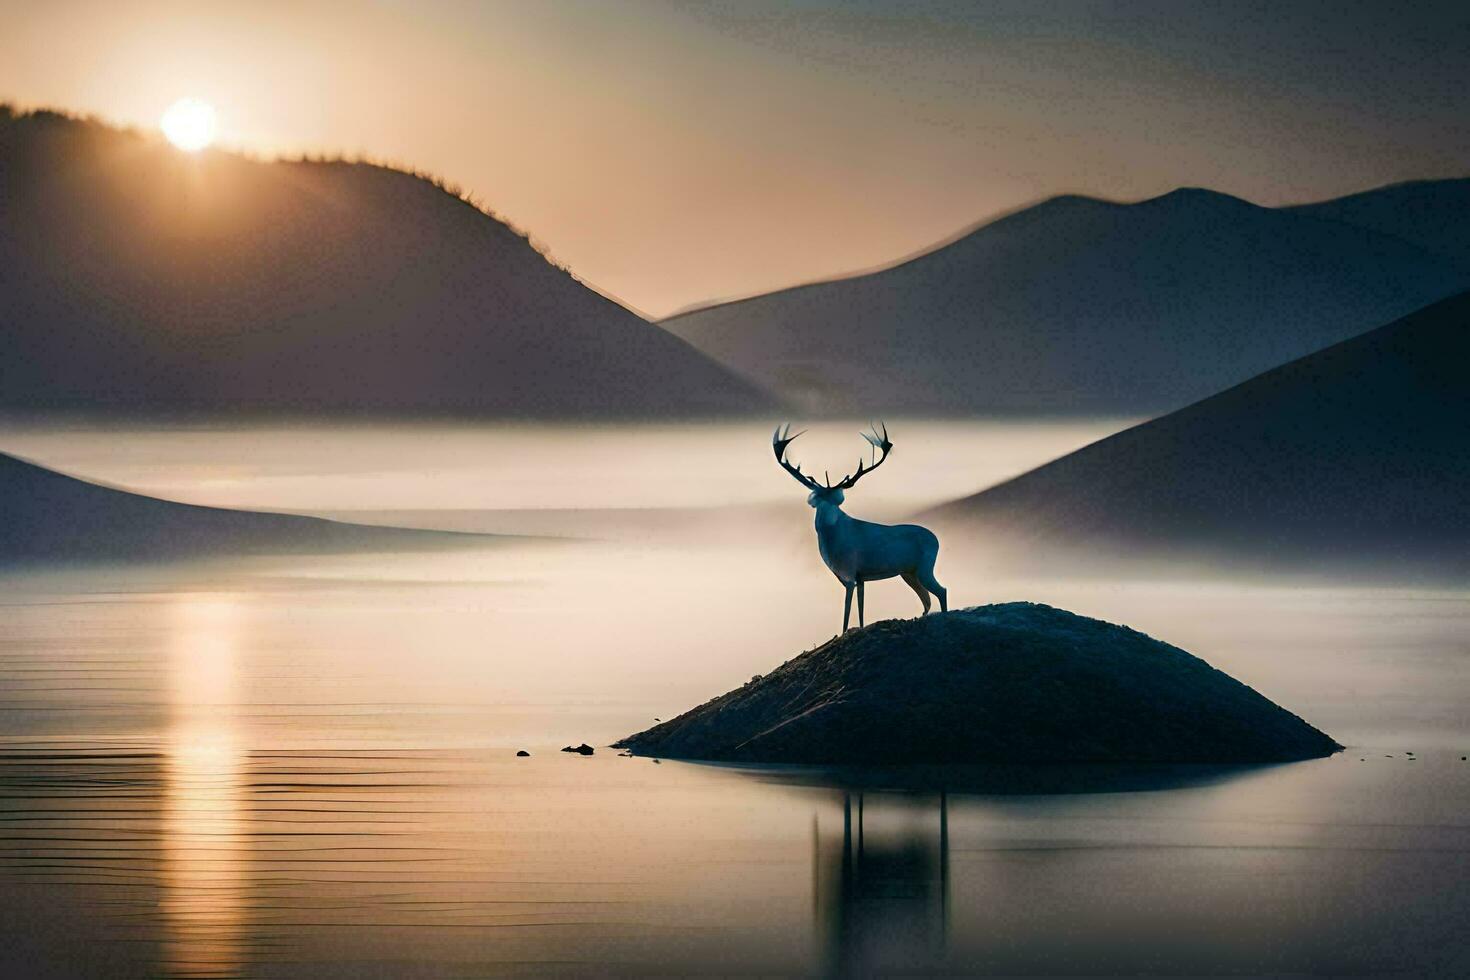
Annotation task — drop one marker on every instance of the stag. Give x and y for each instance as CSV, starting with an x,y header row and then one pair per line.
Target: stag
x,y
857,551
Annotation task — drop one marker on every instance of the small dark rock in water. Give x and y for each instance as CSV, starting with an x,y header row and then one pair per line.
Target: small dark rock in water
x,y
1015,682
583,749
523,754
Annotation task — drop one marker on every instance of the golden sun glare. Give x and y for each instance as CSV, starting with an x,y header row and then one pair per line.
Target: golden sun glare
x,y
189,124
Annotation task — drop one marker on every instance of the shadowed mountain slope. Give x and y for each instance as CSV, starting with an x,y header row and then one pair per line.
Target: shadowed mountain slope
x,y
1077,305
48,516
135,276
1357,454
1433,214
1015,682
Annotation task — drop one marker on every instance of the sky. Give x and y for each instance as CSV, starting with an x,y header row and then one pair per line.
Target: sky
x,y
671,154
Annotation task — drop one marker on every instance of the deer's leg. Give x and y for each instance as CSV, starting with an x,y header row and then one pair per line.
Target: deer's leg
x,y
912,581
926,576
847,607
860,603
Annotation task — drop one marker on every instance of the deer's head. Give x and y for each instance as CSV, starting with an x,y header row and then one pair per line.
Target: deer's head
x,y
828,492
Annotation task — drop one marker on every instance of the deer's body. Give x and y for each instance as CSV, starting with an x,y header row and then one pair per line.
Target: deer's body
x,y
861,551
857,551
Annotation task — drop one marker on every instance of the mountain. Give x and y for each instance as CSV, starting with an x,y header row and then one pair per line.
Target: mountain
x,y
1433,214
134,276
1017,682
1077,305
1357,456
47,516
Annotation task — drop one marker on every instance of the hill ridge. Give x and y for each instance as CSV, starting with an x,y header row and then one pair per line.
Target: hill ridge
x,y
51,516
1426,213
1076,304
136,277
1352,455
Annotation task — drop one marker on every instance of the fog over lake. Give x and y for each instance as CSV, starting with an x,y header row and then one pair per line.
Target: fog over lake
x,y
269,766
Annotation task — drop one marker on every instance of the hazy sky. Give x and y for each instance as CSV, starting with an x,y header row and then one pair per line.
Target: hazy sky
x,y
671,153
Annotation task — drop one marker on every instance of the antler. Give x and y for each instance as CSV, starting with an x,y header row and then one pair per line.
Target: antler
x,y
779,441
880,443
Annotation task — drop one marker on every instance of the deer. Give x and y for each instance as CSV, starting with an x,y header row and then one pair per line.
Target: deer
x,y
858,552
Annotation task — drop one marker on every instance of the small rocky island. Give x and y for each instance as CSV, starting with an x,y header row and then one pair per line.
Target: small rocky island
x,y
1017,682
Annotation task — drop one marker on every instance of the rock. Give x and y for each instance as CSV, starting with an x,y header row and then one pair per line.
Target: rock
x,y
1015,682
583,749
523,754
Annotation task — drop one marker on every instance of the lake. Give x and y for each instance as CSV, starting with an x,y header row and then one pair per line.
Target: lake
x,y
306,765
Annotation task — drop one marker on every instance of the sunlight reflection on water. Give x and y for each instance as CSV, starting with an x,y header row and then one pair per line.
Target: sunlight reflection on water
x,y
203,827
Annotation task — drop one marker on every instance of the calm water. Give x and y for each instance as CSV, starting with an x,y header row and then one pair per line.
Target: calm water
x,y
306,766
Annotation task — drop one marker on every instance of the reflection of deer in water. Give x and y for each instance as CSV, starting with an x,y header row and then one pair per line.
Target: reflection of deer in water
x,y
881,898
859,551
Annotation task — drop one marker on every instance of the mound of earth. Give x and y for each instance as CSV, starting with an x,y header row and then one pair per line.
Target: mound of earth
x,y
1015,682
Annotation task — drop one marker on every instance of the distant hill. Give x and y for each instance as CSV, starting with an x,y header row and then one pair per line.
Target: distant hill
x,y
47,516
137,277
1078,305
1014,682
1355,457
1433,214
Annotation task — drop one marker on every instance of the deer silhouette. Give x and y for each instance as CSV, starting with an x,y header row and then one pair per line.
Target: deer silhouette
x,y
857,551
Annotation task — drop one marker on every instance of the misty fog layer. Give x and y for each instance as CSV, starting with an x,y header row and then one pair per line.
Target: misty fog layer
x,y
278,763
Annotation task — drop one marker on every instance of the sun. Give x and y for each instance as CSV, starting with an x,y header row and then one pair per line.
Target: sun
x,y
189,124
